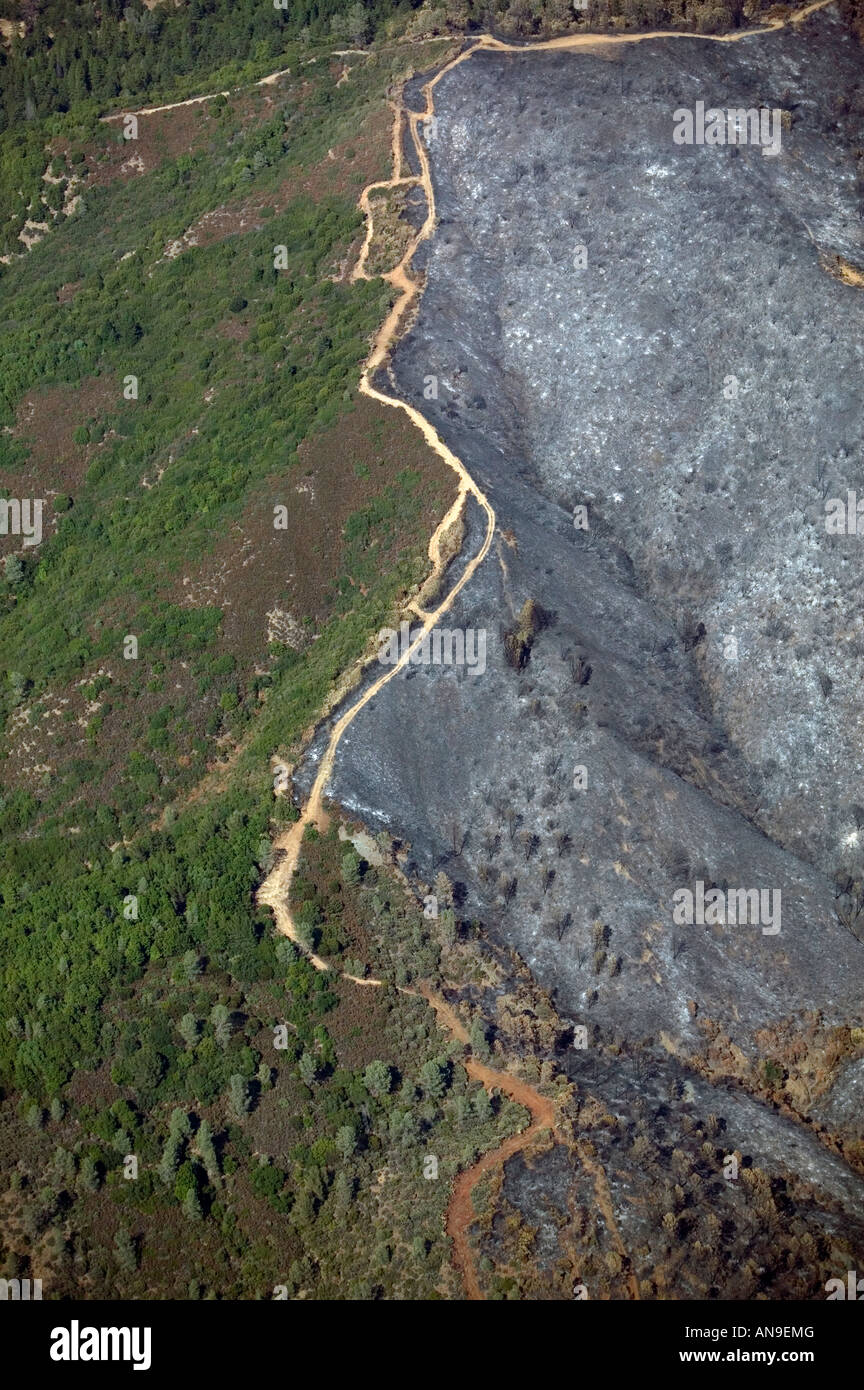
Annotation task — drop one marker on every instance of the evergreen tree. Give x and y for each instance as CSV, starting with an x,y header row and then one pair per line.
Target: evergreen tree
x,y
238,1096
351,868
88,1175
189,1029
479,1041
346,1140
193,966
179,1125
482,1103
378,1078
433,1080
460,1109
192,1204
356,23
220,1017
307,1068
170,1161
342,1192
207,1149
125,1252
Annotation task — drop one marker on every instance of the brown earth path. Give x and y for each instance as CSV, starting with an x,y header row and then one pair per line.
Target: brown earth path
x,y
275,890
409,289
460,1210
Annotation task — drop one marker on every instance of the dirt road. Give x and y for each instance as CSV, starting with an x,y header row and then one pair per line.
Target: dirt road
x,y
275,891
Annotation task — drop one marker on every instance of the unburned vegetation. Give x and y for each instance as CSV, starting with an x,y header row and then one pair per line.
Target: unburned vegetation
x,y
227,525
290,1127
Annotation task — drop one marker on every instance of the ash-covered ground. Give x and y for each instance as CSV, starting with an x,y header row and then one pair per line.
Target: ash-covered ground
x,y
692,711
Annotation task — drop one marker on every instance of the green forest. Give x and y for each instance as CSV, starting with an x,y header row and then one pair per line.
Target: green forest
x,y
141,988
71,52
147,1010
65,63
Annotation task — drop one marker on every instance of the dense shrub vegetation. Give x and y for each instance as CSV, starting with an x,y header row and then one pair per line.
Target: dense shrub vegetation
x,y
71,52
140,985
141,989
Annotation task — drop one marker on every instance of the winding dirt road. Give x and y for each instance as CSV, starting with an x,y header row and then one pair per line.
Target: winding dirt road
x,y
409,290
460,1210
275,890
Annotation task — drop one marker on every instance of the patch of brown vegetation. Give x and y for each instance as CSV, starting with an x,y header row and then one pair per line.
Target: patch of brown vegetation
x,y
842,269
393,233
256,569
67,293
797,1062
67,724
165,135
357,1025
45,422
235,329
354,162
94,1088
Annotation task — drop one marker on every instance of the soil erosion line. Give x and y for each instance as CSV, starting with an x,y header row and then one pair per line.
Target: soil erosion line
x,y
409,291
275,890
